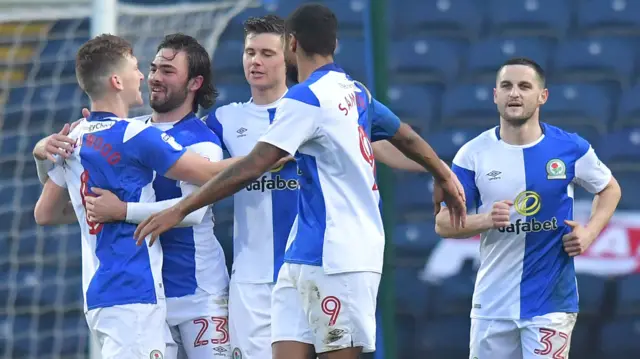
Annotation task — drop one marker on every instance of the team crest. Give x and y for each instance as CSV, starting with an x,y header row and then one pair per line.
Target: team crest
x,y
156,354
556,169
236,353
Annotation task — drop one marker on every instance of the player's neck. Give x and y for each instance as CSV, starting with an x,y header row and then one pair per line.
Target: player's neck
x,y
520,135
113,105
174,115
269,95
308,64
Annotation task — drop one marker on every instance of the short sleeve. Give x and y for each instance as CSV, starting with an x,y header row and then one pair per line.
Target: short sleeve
x,y
151,147
209,150
56,174
214,124
463,167
296,120
590,173
384,123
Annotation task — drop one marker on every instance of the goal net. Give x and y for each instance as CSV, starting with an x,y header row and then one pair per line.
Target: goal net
x,y
40,267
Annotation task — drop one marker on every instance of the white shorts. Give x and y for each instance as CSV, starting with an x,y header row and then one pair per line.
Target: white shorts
x,y
547,336
130,331
331,312
199,325
250,319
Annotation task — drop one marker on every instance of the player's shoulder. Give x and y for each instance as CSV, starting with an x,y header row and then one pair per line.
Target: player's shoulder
x,y
228,112
466,156
197,131
562,139
303,93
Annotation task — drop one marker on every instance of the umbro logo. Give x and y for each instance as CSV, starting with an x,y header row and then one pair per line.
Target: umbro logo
x,y
241,132
494,175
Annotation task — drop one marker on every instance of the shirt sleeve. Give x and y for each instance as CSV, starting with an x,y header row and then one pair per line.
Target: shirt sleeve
x,y
463,167
590,173
151,147
296,120
384,123
216,126
56,174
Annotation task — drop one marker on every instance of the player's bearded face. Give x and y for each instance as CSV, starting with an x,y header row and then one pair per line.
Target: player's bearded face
x,y
168,81
518,93
263,60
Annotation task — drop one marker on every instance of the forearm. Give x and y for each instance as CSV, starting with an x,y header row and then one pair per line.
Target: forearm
x,y
475,224
229,181
603,207
138,212
388,154
418,150
52,215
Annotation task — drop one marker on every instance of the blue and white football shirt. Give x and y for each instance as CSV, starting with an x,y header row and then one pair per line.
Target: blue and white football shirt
x,y
193,257
338,225
121,156
265,211
524,270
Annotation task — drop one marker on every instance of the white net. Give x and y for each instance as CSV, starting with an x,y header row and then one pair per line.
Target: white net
x,y
40,268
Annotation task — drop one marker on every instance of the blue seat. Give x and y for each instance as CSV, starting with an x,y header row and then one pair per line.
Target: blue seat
x,y
444,338
228,57
9,144
351,57
350,13
414,104
446,143
452,296
604,17
594,59
229,93
57,58
584,337
426,59
549,18
620,150
405,335
486,56
586,108
592,294
413,191
65,27
628,290
415,239
455,18
628,180
8,169
412,294
60,335
620,338
469,105
629,108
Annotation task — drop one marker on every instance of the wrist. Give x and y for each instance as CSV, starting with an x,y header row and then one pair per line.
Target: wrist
x,y
122,213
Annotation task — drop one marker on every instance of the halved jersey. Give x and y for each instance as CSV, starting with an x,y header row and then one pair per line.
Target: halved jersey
x,y
338,225
193,257
121,156
524,270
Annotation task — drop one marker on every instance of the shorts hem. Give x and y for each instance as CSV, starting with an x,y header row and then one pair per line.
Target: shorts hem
x,y
365,348
289,339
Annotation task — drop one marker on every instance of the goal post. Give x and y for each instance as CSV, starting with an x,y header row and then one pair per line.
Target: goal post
x,y
41,315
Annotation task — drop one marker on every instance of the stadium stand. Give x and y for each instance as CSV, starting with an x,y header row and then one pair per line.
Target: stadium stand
x,y
443,58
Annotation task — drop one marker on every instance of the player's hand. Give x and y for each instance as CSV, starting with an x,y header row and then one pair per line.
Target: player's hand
x,y
57,144
578,241
281,162
500,214
157,224
438,196
450,192
105,207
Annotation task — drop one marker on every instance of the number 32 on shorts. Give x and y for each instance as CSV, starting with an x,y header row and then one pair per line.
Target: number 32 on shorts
x,y
548,337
